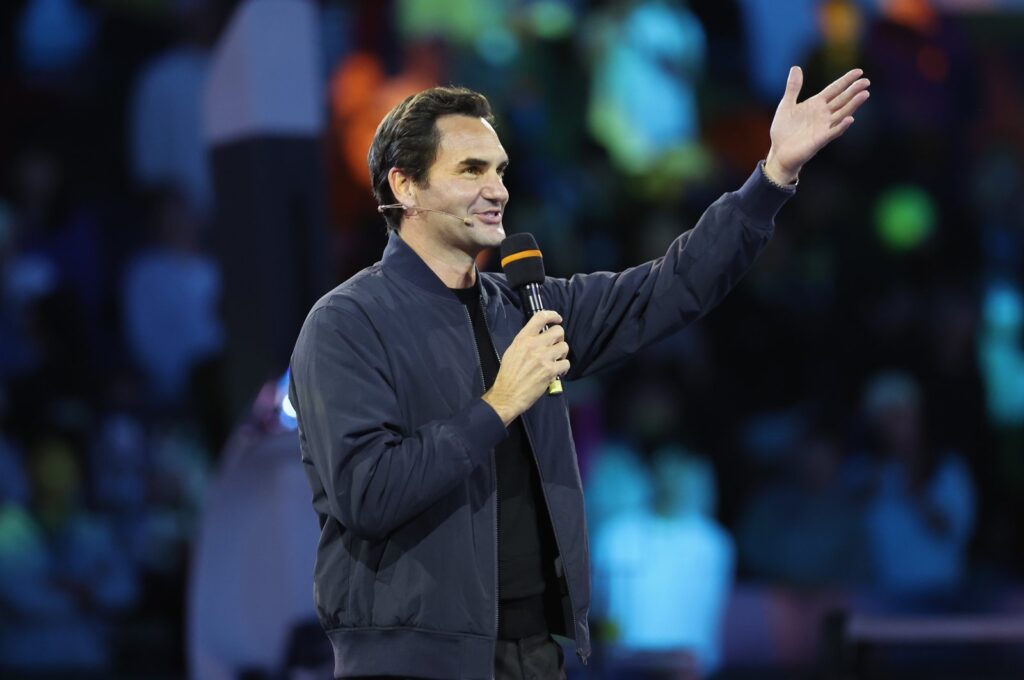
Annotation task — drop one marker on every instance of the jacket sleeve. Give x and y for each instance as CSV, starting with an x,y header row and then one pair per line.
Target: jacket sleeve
x,y
609,316
375,474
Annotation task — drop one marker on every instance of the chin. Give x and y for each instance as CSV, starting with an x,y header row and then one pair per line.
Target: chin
x,y
492,236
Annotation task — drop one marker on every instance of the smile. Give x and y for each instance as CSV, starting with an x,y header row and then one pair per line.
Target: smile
x,y
490,216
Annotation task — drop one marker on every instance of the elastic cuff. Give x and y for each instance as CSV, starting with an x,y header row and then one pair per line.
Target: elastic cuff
x,y
761,199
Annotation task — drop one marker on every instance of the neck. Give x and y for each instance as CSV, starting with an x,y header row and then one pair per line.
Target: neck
x,y
455,268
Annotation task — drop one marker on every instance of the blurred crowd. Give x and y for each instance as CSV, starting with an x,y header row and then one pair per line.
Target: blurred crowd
x,y
849,421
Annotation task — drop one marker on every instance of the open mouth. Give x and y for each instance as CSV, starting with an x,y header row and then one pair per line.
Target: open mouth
x,y
490,216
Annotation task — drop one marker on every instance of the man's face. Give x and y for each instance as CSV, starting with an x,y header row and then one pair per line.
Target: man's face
x,y
466,180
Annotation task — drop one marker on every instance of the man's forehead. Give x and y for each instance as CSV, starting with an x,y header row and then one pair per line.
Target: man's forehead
x,y
468,135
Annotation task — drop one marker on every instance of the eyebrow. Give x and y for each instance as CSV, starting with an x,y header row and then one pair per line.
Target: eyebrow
x,y
480,163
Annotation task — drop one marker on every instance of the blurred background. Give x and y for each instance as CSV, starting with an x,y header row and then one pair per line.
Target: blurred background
x,y
822,479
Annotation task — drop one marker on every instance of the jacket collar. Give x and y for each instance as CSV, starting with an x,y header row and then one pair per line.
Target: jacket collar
x,y
402,260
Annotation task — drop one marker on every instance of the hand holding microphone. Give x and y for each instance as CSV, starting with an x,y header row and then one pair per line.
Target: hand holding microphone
x,y
531,364
523,264
538,355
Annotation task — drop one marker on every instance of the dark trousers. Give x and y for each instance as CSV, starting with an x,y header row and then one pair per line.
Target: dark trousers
x,y
537,657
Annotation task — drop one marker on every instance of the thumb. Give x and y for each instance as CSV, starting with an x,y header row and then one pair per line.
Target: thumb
x,y
793,84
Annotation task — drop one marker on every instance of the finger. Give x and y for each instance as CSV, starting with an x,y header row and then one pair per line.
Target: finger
x,y
847,111
545,317
841,127
561,367
554,334
833,90
849,93
551,337
794,82
560,351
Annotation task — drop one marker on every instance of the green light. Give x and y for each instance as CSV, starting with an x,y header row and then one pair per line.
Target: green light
x,y
904,217
550,19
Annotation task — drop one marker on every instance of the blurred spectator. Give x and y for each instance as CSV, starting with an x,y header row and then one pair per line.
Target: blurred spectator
x,y
177,484
921,514
841,23
166,124
54,36
1001,360
23,279
61,576
170,294
464,21
643,105
776,39
663,573
61,230
996,181
1001,355
919,65
56,279
805,528
120,481
618,484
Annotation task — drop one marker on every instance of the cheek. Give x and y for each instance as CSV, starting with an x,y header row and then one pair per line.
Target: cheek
x,y
463,192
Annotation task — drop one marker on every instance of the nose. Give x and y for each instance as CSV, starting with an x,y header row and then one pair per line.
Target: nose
x,y
494,189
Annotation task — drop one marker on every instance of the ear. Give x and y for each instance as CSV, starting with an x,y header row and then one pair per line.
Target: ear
x,y
402,187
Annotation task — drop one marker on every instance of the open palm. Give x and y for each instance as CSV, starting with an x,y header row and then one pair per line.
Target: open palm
x,y
801,129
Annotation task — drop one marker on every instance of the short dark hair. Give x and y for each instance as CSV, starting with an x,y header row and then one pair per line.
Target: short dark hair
x,y
407,138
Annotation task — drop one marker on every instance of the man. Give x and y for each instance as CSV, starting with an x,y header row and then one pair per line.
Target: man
x,y
453,541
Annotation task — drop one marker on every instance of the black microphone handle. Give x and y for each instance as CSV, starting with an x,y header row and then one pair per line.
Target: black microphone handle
x,y
530,294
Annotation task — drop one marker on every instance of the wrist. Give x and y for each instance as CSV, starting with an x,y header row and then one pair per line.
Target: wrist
x,y
777,174
505,411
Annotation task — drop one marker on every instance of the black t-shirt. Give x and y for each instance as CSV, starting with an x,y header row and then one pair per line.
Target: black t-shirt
x,y
526,548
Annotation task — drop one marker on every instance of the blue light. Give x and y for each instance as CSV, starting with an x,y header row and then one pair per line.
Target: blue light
x,y
286,412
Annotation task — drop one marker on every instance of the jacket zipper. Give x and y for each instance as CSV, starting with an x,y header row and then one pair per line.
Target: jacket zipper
x,y
544,493
494,465
554,530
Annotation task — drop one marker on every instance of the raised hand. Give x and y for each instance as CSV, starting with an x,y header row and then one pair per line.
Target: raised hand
x,y
801,129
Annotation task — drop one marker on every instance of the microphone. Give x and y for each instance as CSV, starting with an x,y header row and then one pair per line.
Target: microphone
x,y
524,268
400,206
